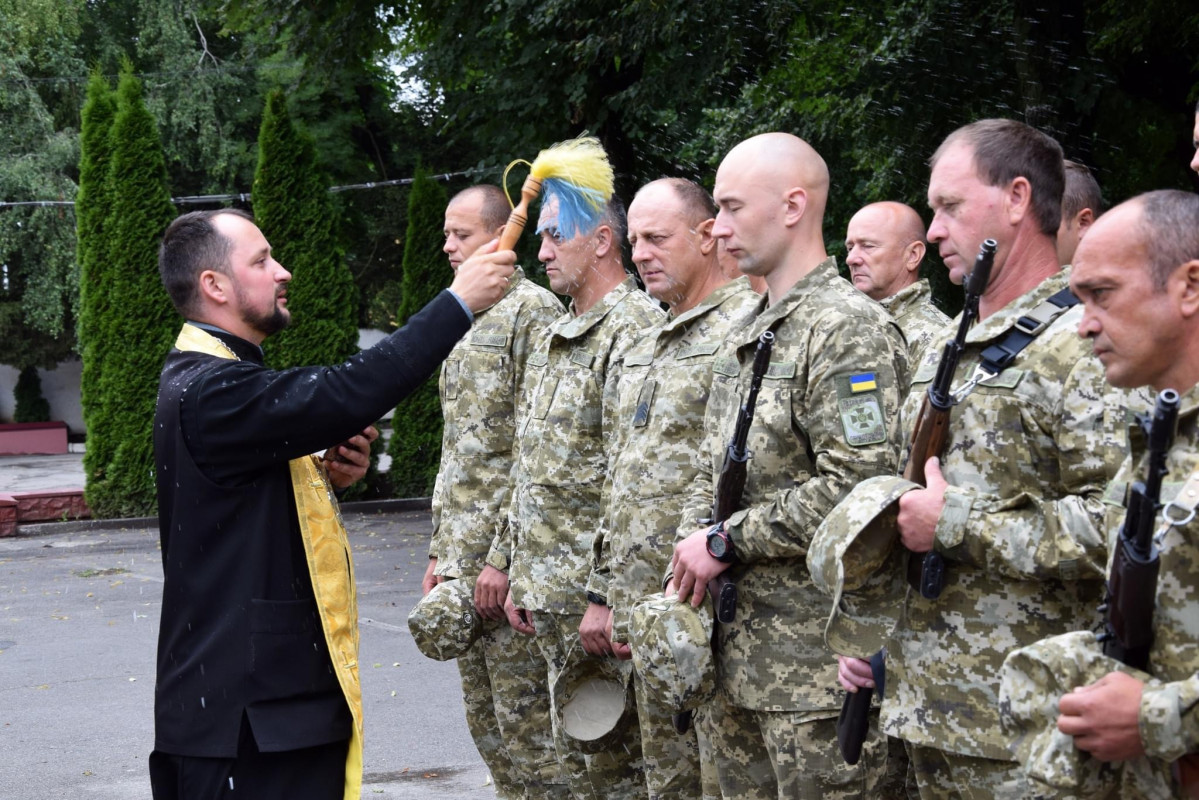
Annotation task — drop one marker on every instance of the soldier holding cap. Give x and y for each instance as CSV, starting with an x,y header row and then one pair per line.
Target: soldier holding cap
x,y
663,393
824,421
507,709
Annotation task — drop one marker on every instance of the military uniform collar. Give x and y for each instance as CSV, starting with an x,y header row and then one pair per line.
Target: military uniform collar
x,y
244,350
906,297
573,327
999,322
824,273
713,300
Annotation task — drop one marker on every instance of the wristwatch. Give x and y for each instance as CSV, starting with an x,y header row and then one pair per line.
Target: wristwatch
x,y
720,546
596,598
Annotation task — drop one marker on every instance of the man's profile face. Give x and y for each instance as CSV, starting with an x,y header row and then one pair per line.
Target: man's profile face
x,y
1133,326
965,210
259,281
666,247
569,263
750,219
875,253
465,232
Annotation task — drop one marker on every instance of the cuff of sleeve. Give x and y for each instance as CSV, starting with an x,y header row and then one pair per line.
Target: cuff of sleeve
x,y
950,534
498,559
737,529
1160,722
620,625
469,314
597,583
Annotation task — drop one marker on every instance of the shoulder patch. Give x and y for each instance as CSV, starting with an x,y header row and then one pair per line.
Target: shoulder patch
x,y
859,408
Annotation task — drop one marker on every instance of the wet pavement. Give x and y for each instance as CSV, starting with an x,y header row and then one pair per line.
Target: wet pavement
x,y
79,610
20,474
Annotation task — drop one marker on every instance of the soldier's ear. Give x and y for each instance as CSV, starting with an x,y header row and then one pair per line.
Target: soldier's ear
x,y
1187,276
913,254
707,242
603,240
1019,199
796,199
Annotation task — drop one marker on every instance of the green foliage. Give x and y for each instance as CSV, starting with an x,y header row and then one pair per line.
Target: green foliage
x,y
140,321
293,208
30,405
38,281
415,446
93,205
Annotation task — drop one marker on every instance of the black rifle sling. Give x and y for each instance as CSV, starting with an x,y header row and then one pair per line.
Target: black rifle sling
x,y
998,357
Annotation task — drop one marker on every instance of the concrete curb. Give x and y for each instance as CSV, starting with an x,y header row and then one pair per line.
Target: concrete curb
x,y
84,525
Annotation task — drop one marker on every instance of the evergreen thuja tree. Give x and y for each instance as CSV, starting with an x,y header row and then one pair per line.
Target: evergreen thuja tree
x,y
92,208
296,214
31,405
139,324
415,446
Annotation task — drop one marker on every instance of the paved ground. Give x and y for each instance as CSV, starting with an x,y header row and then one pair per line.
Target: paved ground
x,y
78,623
41,473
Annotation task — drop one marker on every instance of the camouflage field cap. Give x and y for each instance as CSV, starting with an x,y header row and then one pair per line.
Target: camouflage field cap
x,y
444,624
672,650
1031,681
594,700
856,557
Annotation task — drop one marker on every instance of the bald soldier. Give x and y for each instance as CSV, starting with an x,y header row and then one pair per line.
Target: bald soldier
x,y
663,392
825,420
1082,203
507,709
884,246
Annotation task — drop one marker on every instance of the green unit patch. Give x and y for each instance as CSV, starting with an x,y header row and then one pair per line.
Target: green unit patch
x,y
729,367
861,415
862,419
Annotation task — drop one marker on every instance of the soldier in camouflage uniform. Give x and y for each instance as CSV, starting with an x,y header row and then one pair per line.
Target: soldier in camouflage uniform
x,y
1138,274
825,420
507,710
559,493
884,246
663,392
1014,505
1082,203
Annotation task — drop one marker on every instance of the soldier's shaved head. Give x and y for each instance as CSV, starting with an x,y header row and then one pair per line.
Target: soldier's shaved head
x,y
771,192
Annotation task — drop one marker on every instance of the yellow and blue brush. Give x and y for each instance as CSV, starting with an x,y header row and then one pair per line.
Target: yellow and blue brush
x,y
576,172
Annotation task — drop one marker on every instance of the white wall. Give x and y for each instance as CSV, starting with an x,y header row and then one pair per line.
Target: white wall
x,y
60,387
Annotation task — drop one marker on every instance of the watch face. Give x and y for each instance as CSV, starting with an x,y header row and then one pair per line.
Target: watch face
x,y
717,545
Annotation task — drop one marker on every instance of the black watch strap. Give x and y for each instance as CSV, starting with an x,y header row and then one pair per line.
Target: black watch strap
x,y
597,598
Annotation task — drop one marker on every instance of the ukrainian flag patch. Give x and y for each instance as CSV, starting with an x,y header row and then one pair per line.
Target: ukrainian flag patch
x,y
862,382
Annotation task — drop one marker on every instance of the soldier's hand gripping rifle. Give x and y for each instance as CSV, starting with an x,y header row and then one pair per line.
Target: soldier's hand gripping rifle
x,y
1132,585
927,574
731,483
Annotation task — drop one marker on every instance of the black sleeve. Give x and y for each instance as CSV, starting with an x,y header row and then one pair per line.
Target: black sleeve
x,y
242,417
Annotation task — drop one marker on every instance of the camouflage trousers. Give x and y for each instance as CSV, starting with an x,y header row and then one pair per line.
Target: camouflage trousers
x,y
941,774
672,766
789,755
615,772
508,714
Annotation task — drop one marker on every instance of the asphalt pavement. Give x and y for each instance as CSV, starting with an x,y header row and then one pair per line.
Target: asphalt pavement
x,y
79,613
